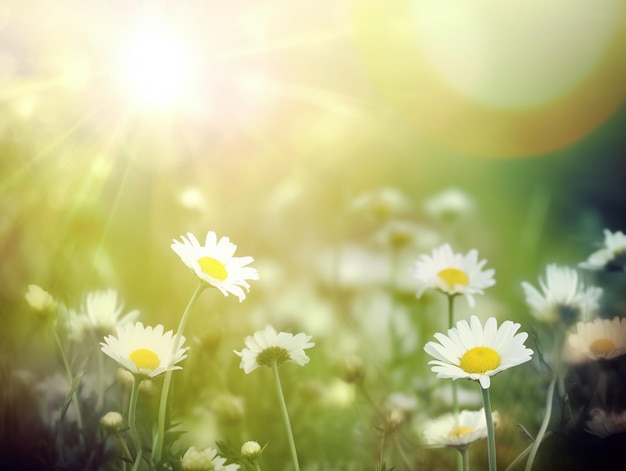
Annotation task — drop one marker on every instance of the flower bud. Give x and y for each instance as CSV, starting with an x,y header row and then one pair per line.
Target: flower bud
x,y
352,370
112,422
40,300
251,450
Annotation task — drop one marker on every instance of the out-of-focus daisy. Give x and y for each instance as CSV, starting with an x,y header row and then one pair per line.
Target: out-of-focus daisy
x,y
398,234
562,296
475,352
268,346
449,205
453,273
457,431
215,263
100,315
145,351
205,460
612,256
602,339
603,424
381,204
40,300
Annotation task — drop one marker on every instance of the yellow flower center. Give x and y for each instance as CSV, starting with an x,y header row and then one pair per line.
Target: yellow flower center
x,y
145,359
480,360
453,277
601,347
212,267
460,431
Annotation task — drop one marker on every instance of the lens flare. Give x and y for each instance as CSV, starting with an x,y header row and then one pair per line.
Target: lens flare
x,y
156,68
488,78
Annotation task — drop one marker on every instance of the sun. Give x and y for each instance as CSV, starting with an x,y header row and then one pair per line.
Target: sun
x,y
156,67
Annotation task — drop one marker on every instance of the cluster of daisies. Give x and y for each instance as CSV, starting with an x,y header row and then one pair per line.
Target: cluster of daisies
x,y
470,349
477,351
592,341
148,352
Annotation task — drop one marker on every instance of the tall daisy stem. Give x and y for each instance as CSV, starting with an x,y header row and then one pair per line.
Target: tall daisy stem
x,y
491,438
544,425
70,379
455,394
283,408
132,412
464,458
158,438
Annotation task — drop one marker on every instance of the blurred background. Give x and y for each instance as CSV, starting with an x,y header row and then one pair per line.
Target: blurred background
x,y
315,135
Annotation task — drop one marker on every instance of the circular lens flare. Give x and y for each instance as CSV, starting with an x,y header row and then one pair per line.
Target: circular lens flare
x,y
514,79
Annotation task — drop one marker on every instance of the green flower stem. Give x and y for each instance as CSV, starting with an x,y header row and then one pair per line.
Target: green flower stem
x,y
398,446
70,380
464,458
455,394
126,452
159,436
100,387
523,454
491,438
544,425
132,412
283,408
450,311
381,450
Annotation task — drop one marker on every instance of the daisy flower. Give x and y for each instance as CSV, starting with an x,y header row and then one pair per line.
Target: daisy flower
x,y
398,234
452,273
612,256
450,205
267,346
215,264
475,352
381,204
602,339
205,460
603,424
562,296
457,431
145,351
100,314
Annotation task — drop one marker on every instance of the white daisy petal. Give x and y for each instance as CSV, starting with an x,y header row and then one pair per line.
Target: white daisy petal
x,y
563,297
478,353
195,459
604,424
452,274
267,345
99,316
214,263
145,351
602,339
612,256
